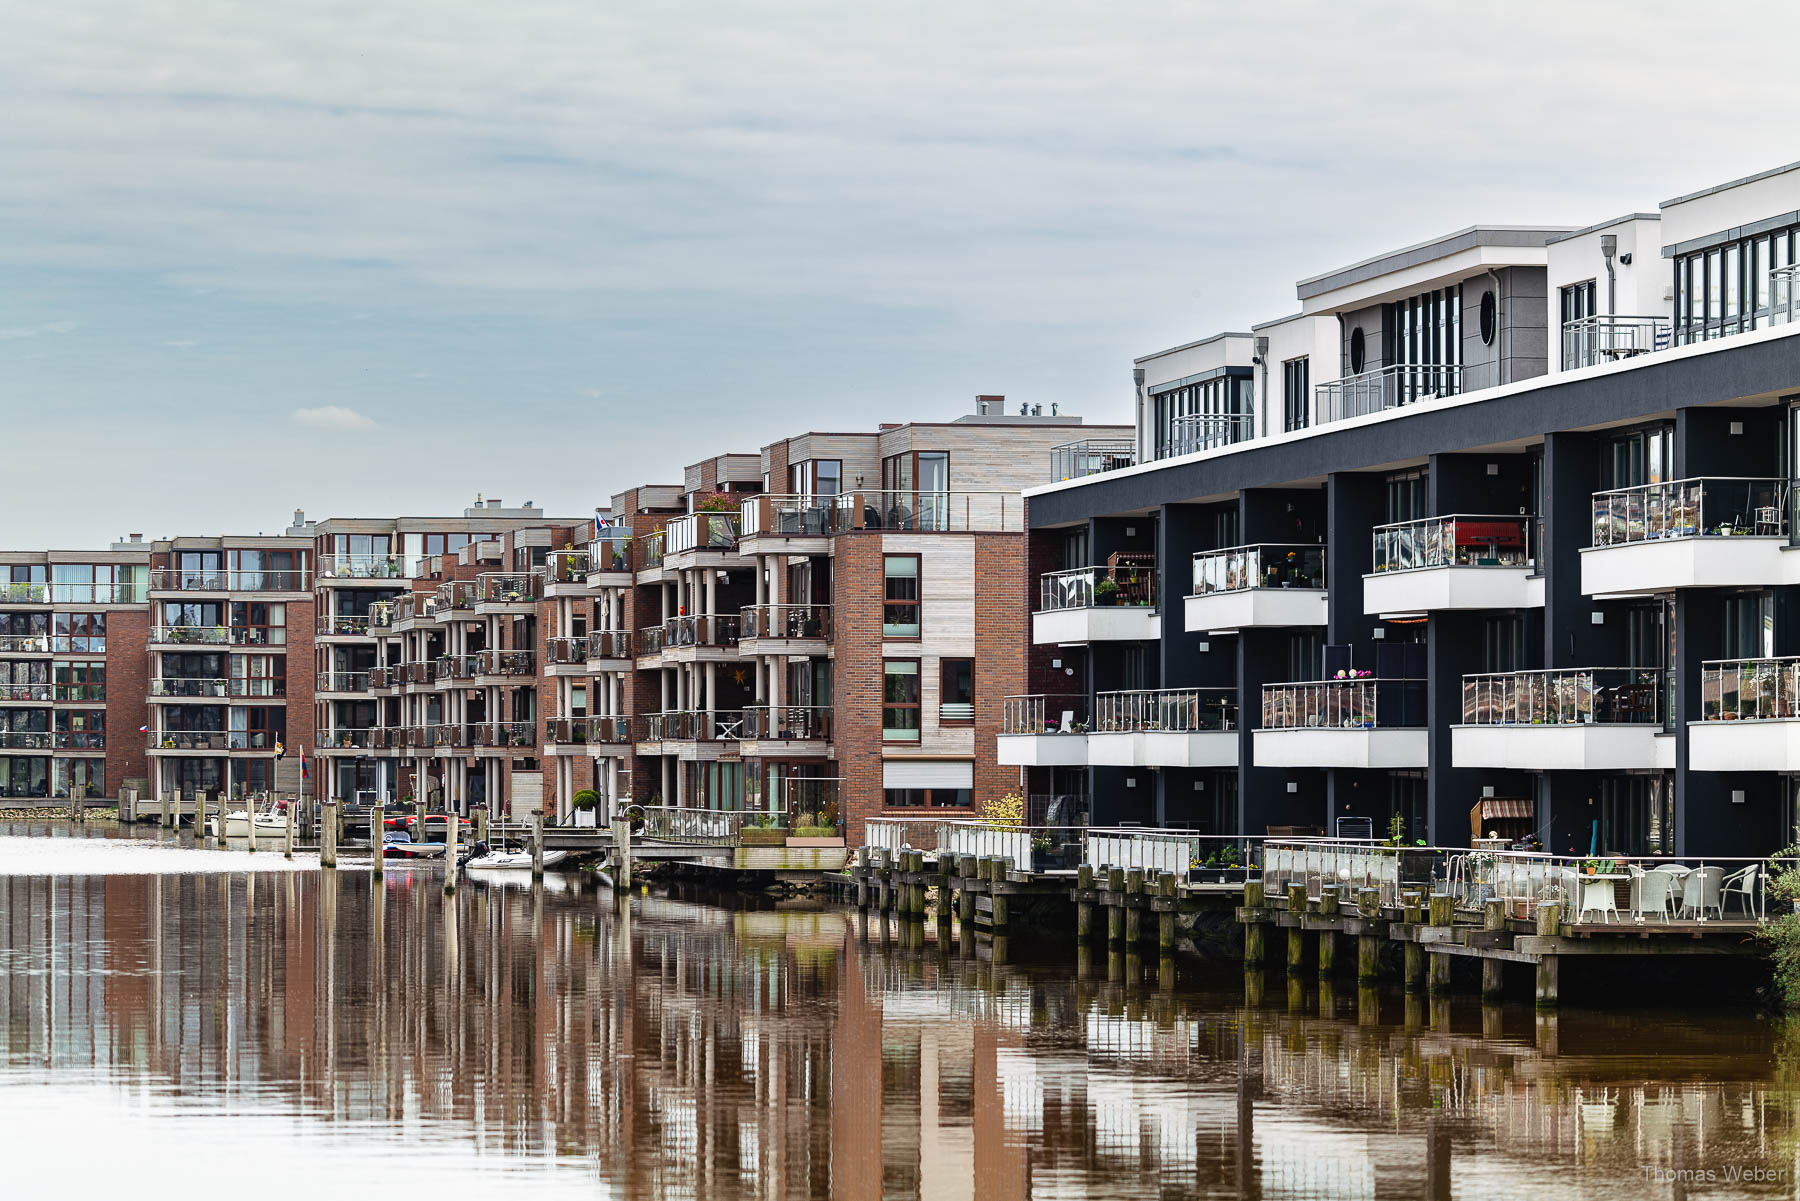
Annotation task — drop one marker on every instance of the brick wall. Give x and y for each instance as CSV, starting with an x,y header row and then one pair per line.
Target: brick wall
x,y
856,678
1002,632
127,692
301,657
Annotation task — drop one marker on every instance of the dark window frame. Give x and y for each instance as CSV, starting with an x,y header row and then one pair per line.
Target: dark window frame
x,y
916,706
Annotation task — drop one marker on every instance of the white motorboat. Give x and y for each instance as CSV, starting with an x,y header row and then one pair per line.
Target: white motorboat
x,y
510,861
269,825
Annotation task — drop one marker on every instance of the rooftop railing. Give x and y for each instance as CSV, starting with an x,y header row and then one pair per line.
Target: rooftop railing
x,y
610,553
1097,587
1042,713
1750,689
1458,540
1365,703
1264,565
1393,386
788,722
175,579
1712,507
1590,340
1173,710
701,531
786,516
1193,432
1565,696
360,567
929,512
785,621
1091,456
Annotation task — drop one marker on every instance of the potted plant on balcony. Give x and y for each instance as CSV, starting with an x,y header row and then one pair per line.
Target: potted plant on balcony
x,y
586,807
762,830
1106,594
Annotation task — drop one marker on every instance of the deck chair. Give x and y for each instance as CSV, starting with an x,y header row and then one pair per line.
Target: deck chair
x,y
1742,885
1597,897
1654,893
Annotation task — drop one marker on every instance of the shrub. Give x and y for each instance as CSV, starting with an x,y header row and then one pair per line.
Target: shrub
x,y
587,798
1782,933
1003,812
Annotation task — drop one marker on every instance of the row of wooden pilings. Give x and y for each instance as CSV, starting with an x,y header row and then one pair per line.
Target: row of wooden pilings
x,y
1127,894
897,881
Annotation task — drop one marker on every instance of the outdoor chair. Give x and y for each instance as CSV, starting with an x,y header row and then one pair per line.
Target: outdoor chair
x,y
1700,892
1742,885
1597,897
1654,892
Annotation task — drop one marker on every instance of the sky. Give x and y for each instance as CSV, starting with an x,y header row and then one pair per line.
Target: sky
x,y
376,257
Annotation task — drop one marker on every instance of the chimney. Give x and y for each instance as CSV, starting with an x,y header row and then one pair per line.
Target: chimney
x,y
493,502
299,518
990,406
137,537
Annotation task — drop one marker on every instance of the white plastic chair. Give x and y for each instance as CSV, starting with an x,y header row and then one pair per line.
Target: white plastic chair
x,y
1740,884
1597,897
1700,891
1655,893
1068,721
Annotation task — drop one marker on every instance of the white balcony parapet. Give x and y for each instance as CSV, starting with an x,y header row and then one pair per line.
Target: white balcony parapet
x,y
1454,562
1266,585
1356,722
1716,532
1097,604
1575,719
1043,731
1749,716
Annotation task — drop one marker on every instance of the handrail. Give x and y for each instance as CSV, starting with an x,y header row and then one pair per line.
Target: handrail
x,y
1397,384
1091,456
1044,713
926,511
1124,585
1259,565
1610,338
785,621
1750,689
1167,710
1454,540
786,516
1697,507
1365,703
245,686
176,579
1564,696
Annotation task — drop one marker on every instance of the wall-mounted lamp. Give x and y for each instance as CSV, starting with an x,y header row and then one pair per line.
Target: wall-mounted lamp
x,y
1493,469
1737,796
1131,781
1293,787
1597,617
1737,428
1487,790
1203,647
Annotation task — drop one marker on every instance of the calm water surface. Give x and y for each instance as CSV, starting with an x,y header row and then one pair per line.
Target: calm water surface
x,y
180,1022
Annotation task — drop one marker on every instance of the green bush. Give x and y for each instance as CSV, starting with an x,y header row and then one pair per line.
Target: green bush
x,y
1782,933
587,798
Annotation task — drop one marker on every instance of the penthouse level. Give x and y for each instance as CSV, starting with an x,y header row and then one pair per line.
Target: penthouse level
x,y
1496,535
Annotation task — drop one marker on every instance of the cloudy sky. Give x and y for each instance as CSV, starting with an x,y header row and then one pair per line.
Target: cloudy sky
x,y
377,256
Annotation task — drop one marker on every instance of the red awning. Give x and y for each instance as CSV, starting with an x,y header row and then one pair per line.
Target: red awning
x,y
1490,533
1501,807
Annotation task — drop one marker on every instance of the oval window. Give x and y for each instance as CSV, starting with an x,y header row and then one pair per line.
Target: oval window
x,y
1356,351
1490,318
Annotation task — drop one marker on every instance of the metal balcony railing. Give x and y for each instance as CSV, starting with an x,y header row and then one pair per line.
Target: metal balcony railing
x,y
701,629
929,512
341,738
1193,432
1458,540
24,692
609,644
1400,384
212,740
341,681
175,579
785,621
510,588
786,516
701,531
504,663
1091,456
1264,565
243,686
1566,696
218,635
1590,340
565,651
1042,713
1097,587
52,740
1168,710
513,734
692,726
351,625
1750,689
1710,507
359,567
588,731
1365,703
787,722
610,553
384,677
24,644
651,553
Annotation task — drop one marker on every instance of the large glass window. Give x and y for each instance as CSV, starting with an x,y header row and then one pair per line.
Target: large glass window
x,y
1741,284
80,681
900,700
1406,495
900,597
956,696
1750,625
816,478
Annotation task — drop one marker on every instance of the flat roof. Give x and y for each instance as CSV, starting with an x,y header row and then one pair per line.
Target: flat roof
x,y
1190,345
1736,183
1576,233
1425,252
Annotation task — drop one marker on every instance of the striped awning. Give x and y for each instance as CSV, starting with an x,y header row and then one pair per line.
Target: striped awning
x,y
1501,806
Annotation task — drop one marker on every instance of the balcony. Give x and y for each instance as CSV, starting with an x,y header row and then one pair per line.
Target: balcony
x,y
504,735
588,731
384,677
345,625
216,636
1590,341
651,556
1714,532
340,681
692,726
342,739
1171,727
47,740
1362,722
181,688
511,664
1098,604
784,629
568,569
694,632
650,641
1749,716
1194,432
695,532
1263,586
351,568
25,693
164,742
498,589
563,651
1564,719
168,579
1454,562
609,645
1392,387
24,644
787,724
929,512
787,517
1043,730
1091,456
17,593
610,555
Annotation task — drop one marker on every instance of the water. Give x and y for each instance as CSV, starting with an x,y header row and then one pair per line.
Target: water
x,y
177,1025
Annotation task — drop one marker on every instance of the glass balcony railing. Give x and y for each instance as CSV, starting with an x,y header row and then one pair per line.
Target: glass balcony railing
x,y
1170,710
52,740
1750,689
342,681
1713,507
562,651
212,740
16,593
24,644
360,567
1265,565
692,726
1098,587
505,663
1044,713
1458,540
701,531
701,629
349,739
345,625
1590,340
650,640
510,588
181,687
929,512
218,635
1393,386
785,621
1091,456
566,567
786,516
1362,703
611,552
510,734
1564,697
25,692
174,579
588,731
652,550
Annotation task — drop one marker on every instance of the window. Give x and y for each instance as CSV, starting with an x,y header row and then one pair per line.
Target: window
x,y
1577,305
1295,375
1406,492
1740,284
956,700
1639,457
925,798
1503,643
816,478
80,681
80,633
258,624
900,596
1750,625
900,700
1423,331
1303,656
1201,414
1637,814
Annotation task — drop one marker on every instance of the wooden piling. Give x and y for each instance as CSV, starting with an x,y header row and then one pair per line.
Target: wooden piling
x,y
1165,921
249,822
1443,909
168,812
377,830
328,836
1002,868
1547,982
1415,967
1494,914
1368,957
287,833
1134,911
1084,908
537,846
622,865
1493,979
450,868
1253,930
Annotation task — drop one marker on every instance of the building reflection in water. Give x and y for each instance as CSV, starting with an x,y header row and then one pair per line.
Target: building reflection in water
x,y
670,1048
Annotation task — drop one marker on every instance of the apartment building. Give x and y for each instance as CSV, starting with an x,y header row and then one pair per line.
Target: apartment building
x,y
73,626
1492,535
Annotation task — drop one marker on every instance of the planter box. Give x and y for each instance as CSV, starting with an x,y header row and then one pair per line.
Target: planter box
x,y
814,842
762,838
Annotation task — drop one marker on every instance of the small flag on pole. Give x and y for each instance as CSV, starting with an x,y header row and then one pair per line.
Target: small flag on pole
x,y
143,729
279,749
